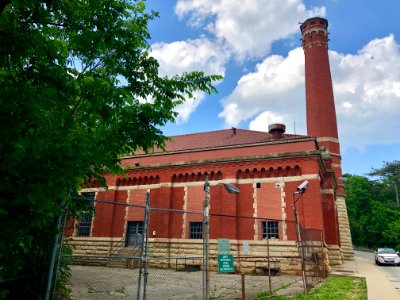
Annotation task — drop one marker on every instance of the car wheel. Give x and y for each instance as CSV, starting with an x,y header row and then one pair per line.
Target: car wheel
x,y
398,264
377,262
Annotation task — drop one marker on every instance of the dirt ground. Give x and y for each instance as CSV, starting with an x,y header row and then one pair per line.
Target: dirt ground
x,y
91,282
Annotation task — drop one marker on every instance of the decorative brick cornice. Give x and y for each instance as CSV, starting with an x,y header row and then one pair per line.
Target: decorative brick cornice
x,y
238,159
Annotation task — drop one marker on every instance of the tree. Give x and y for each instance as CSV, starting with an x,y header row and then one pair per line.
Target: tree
x,y
390,172
359,196
78,90
392,233
373,221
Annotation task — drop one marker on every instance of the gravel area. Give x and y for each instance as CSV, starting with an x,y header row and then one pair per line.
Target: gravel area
x,y
93,282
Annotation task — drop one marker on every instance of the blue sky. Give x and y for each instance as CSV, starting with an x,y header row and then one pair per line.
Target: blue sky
x,y
255,45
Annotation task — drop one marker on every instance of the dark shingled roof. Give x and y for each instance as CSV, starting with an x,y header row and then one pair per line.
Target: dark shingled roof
x,y
221,139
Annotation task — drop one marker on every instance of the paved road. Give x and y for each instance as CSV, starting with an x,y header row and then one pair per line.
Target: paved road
x,y
392,273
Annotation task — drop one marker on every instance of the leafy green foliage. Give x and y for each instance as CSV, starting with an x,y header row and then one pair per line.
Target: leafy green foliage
x,y
78,89
374,216
389,170
390,175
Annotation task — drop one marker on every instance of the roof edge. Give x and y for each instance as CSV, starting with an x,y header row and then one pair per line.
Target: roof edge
x,y
294,140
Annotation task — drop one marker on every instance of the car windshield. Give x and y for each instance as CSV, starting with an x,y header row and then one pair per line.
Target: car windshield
x,y
386,251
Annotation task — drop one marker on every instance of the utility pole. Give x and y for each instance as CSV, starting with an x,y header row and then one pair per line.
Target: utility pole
x,y
206,242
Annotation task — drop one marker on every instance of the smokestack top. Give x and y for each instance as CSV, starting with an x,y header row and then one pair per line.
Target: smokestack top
x,y
314,32
277,130
314,22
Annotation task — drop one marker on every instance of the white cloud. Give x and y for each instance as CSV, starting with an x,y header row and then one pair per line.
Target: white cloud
x,y
247,27
366,84
185,56
188,107
366,88
274,92
367,93
241,28
261,122
190,55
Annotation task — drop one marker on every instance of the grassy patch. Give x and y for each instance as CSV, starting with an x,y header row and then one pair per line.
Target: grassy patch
x,y
337,287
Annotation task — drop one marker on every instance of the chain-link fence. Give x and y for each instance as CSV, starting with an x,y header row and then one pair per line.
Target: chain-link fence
x,y
124,254
314,256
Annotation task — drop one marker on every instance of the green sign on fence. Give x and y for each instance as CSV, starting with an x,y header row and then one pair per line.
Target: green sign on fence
x,y
225,263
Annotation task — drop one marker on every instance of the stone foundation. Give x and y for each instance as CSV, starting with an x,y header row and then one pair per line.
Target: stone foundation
x,y
335,255
94,251
187,254
344,229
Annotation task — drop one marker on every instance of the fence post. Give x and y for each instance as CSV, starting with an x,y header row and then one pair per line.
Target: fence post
x,y
322,254
269,266
206,242
53,256
60,252
144,249
146,231
299,240
243,287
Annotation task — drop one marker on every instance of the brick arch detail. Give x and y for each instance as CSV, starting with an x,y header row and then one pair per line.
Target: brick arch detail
x,y
269,172
244,173
199,176
138,180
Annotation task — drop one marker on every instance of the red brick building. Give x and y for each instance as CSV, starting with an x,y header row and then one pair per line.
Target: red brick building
x,y
266,167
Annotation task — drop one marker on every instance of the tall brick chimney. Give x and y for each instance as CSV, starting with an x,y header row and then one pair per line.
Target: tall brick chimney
x,y
321,122
320,105
321,115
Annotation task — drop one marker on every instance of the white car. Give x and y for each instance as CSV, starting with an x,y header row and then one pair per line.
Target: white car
x,y
387,256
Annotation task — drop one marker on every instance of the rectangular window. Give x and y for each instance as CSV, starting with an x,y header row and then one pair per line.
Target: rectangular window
x,y
85,221
196,230
134,233
270,229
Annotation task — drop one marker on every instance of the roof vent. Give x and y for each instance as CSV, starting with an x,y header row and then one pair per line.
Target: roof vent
x,y
277,130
